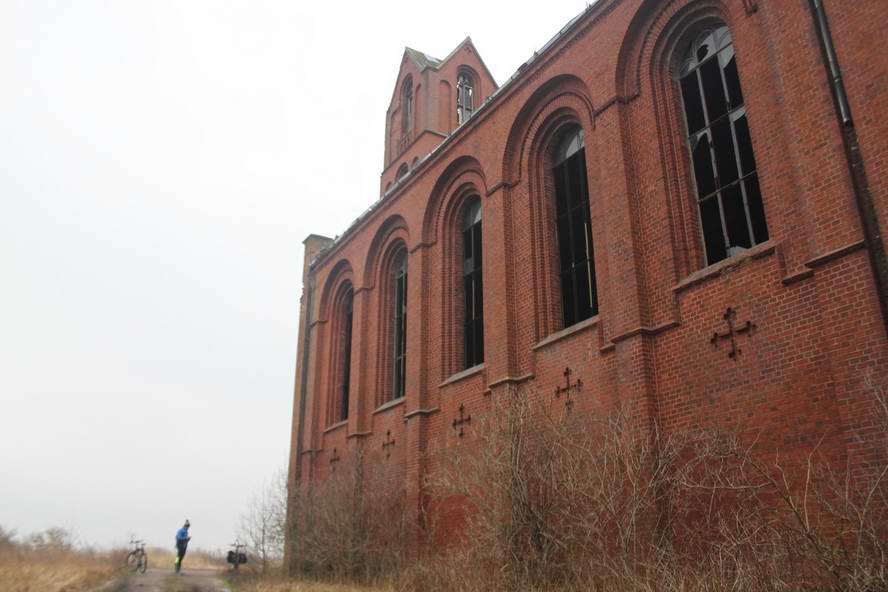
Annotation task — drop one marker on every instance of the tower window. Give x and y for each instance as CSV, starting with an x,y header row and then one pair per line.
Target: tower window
x,y
407,108
579,296
473,292
402,172
729,201
465,97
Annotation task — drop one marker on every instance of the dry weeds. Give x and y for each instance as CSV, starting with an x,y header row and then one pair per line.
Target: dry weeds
x,y
68,571
563,502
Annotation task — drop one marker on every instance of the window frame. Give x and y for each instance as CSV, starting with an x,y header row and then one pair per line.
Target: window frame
x,y
346,339
471,235
738,153
398,307
464,112
407,107
571,209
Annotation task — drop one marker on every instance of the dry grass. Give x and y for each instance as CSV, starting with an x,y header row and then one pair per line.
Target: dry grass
x,y
63,571
276,584
195,559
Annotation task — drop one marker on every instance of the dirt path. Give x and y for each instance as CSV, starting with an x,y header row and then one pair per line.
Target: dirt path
x,y
166,580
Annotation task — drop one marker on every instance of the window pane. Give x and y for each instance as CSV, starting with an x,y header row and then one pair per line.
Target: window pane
x,y
703,173
468,298
476,240
744,144
713,238
576,170
693,105
579,232
756,209
565,257
710,75
469,345
723,146
479,295
467,251
735,217
479,342
584,300
567,299
732,79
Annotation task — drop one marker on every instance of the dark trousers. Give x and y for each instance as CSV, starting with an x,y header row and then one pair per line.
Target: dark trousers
x,y
180,554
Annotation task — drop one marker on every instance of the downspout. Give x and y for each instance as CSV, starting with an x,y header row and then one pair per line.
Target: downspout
x,y
303,379
303,385
865,206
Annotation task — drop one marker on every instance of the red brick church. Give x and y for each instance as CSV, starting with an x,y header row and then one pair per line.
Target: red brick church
x,y
678,203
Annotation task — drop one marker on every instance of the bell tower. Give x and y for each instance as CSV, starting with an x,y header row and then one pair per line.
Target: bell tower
x,y
431,99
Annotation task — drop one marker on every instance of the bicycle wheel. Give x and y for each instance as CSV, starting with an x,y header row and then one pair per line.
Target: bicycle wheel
x,y
143,562
132,560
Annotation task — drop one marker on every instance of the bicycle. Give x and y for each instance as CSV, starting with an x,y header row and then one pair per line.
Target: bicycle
x,y
137,559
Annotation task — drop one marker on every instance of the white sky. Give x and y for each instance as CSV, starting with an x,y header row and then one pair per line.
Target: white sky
x,y
160,164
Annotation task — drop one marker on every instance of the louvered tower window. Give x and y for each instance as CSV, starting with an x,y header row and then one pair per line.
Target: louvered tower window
x,y
465,97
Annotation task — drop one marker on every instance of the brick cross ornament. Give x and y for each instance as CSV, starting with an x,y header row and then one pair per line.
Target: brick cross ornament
x,y
568,387
388,443
463,419
732,332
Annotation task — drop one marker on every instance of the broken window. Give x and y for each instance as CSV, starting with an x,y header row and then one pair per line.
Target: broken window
x,y
732,216
345,353
399,313
579,297
473,324
465,97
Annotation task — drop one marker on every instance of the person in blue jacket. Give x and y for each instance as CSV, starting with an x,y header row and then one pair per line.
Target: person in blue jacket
x,y
182,539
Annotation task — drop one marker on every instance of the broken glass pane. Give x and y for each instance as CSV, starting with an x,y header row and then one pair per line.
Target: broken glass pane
x,y
735,217
703,173
713,237
693,105
723,146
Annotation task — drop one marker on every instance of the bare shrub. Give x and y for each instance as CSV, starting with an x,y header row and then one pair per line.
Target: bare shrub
x,y
350,526
539,500
263,526
564,501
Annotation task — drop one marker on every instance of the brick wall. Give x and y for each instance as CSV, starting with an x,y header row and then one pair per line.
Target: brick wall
x,y
809,291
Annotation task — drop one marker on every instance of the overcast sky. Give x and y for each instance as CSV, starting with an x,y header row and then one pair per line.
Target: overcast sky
x,y
160,164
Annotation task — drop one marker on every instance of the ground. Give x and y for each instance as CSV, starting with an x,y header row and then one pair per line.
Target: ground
x,y
165,580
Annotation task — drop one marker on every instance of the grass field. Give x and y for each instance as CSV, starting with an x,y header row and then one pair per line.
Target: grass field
x,y
70,571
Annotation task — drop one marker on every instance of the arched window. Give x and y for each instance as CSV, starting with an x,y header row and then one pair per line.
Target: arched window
x,y
399,320
732,217
473,323
346,313
407,108
465,97
402,172
579,296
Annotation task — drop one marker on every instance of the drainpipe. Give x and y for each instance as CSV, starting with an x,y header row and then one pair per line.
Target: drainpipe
x,y
303,379
865,207
303,384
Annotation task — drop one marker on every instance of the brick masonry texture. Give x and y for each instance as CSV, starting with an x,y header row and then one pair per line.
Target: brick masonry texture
x,y
818,331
